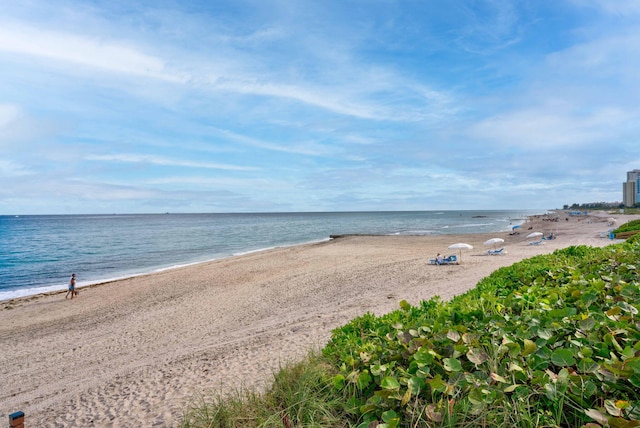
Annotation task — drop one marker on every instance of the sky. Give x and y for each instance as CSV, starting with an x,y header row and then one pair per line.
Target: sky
x,y
126,106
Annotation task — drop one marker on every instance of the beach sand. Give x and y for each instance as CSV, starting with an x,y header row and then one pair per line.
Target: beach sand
x,y
137,352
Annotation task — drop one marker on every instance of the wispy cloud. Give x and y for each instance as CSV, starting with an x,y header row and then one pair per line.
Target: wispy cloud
x,y
85,51
163,161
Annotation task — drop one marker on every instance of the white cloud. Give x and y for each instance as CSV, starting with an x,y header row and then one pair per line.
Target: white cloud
x,y
83,50
308,148
164,161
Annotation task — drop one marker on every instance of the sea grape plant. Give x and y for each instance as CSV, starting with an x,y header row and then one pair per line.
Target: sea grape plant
x,y
558,335
628,226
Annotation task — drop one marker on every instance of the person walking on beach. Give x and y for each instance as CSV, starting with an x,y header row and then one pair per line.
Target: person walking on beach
x,y
72,286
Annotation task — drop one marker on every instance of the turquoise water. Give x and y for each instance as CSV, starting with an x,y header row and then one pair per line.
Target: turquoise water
x,y
39,253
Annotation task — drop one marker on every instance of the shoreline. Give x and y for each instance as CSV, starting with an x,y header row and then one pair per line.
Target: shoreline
x,y
137,351
56,289
31,280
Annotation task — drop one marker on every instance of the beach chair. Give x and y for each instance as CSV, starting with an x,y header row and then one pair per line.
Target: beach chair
x,y
536,242
451,260
499,251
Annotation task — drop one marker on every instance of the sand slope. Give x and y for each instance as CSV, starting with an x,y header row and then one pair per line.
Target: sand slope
x,y
136,352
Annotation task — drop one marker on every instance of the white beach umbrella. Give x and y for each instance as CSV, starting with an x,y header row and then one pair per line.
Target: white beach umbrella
x,y
461,246
534,234
494,241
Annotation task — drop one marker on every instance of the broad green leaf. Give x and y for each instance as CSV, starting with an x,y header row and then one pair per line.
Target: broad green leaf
x,y
476,396
415,384
587,365
587,324
423,356
529,347
514,349
562,358
390,383
389,415
588,298
437,383
538,362
586,352
452,365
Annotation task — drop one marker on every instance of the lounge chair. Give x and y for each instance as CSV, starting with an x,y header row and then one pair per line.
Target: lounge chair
x,y
536,242
497,252
451,260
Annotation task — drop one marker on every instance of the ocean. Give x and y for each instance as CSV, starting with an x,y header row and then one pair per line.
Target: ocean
x,y
38,253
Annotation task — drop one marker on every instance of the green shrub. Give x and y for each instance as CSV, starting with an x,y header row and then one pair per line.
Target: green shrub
x,y
554,337
628,227
634,239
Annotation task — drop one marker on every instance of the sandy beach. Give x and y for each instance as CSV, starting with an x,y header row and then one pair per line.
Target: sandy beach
x,y
136,352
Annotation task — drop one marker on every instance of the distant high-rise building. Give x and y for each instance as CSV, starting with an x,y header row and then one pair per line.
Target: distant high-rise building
x,y
631,188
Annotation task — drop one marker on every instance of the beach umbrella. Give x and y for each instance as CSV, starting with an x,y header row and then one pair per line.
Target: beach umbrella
x,y
534,234
460,246
494,241
515,227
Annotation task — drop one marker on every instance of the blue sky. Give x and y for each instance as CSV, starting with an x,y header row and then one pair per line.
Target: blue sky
x,y
126,106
